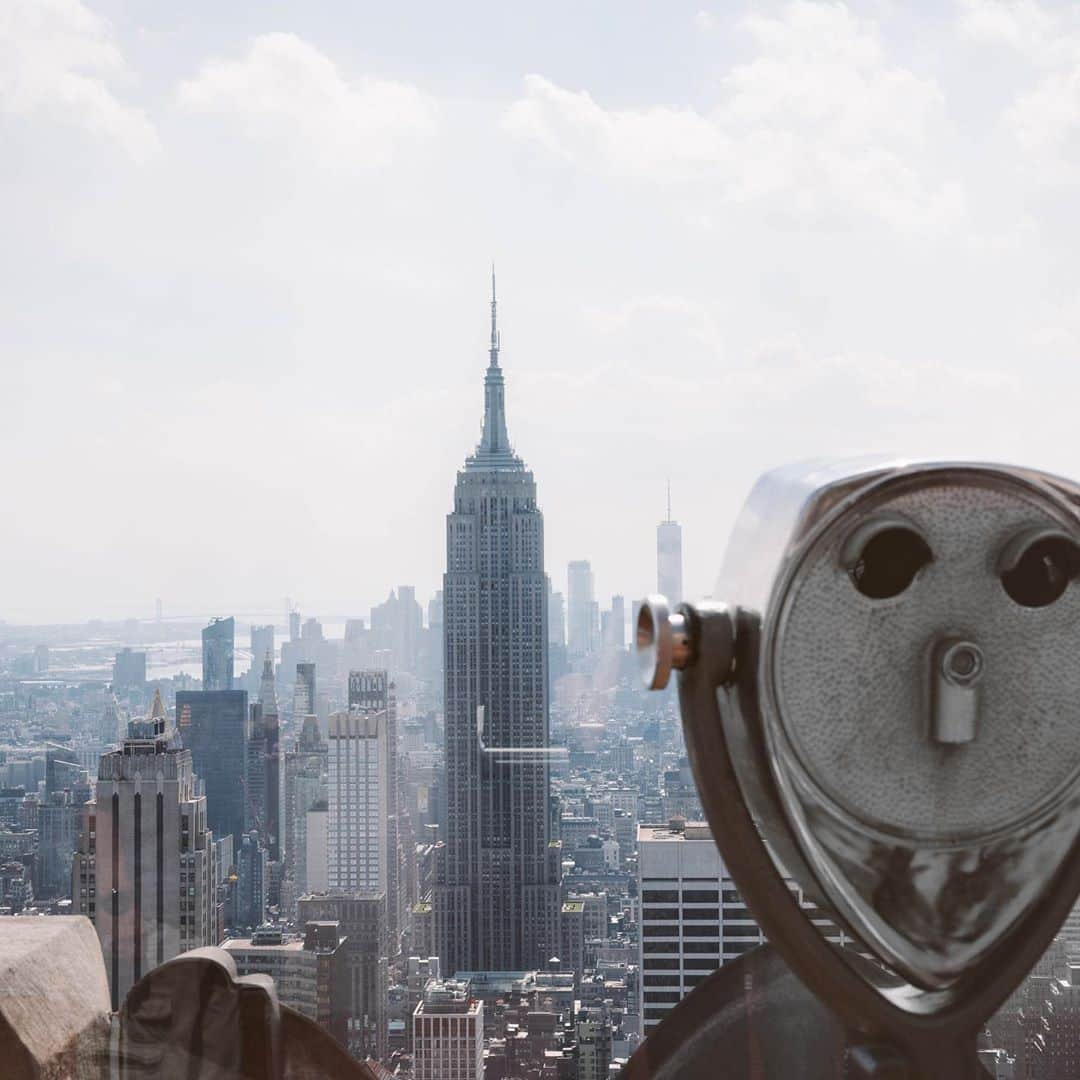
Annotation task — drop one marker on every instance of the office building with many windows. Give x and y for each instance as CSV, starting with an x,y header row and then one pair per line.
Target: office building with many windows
x,y
693,918
143,872
497,893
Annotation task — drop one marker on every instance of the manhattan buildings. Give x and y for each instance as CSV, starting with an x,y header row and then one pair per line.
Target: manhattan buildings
x,y
143,873
213,725
669,580
357,801
305,789
217,643
693,919
371,691
497,892
448,1033
265,763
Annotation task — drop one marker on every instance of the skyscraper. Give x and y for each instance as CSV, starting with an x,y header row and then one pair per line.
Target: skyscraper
x,y
213,725
372,691
582,629
357,790
496,897
217,654
304,692
272,734
305,786
262,639
669,557
143,873
129,670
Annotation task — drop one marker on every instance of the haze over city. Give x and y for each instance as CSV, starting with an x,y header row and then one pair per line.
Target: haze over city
x,y
242,320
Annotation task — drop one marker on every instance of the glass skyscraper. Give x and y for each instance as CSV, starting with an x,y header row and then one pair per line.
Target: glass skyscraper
x,y
217,654
496,897
213,726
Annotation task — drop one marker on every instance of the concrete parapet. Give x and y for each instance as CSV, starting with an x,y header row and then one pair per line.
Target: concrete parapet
x,y
191,1016
54,999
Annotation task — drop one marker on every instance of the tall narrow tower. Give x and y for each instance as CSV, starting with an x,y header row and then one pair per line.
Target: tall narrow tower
x,y
669,556
496,897
143,873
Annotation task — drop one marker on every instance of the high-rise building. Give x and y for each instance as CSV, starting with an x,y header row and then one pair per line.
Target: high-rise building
x,y
497,895
396,625
129,670
304,692
271,761
143,873
556,617
255,774
613,624
669,581
362,920
582,626
317,846
262,642
217,654
448,1033
251,880
309,970
693,918
371,691
357,801
58,821
305,786
213,725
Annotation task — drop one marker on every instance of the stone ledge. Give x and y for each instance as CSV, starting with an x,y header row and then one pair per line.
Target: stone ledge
x,y
54,998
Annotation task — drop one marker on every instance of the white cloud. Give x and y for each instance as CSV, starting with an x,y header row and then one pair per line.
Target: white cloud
x,y
57,58
654,144
285,88
1043,120
1021,25
818,120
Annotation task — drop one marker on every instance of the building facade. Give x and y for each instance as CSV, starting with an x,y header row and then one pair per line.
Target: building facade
x,y
496,898
213,725
304,691
669,577
143,873
362,921
308,970
693,918
129,670
305,787
582,629
265,763
372,691
448,1033
357,801
218,643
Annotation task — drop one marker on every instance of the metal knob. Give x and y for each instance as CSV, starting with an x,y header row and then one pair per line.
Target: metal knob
x,y
663,642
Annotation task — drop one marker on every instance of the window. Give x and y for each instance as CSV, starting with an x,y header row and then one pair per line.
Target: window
x,y
700,896
663,896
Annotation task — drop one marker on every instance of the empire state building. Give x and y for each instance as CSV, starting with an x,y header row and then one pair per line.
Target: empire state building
x,y
496,894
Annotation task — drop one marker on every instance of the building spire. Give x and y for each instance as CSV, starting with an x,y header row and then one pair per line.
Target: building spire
x,y
494,448
494,352
267,696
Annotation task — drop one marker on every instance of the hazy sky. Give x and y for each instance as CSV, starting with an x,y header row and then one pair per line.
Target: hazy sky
x,y
246,246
